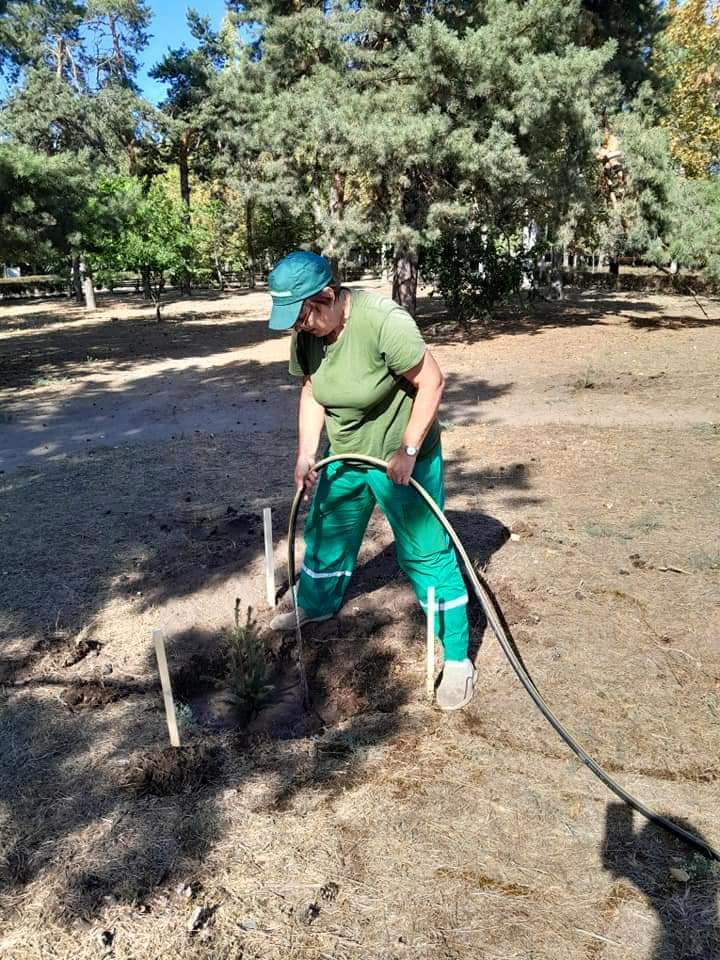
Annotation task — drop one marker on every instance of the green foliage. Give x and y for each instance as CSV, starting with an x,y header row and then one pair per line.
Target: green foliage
x,y
155,238
696,229
186,722
687,58
46,32
85,44
633,26
472,270
647,207
247,661
635,213
438,132
39,211
119,31
391,124
702,869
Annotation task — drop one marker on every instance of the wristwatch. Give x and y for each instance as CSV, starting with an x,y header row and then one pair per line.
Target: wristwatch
x,y
410,450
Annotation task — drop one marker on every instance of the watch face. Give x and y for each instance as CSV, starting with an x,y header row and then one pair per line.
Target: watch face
x,y
410,451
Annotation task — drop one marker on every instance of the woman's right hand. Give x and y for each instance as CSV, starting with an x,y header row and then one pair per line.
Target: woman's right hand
x,y
305,476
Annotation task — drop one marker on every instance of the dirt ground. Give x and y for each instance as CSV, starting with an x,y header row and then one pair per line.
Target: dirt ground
x,y
135,460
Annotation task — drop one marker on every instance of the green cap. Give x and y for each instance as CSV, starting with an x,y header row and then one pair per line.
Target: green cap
x,y
296,277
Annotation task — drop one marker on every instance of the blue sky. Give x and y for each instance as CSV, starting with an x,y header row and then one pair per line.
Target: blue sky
x,y
168,28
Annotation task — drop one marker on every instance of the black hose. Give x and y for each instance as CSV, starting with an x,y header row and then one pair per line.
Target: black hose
x,y
506,644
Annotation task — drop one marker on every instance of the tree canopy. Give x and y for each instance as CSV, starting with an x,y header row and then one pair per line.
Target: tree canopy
x,y
398,132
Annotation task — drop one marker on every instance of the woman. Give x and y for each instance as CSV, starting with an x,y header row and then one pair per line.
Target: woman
x,y
368,377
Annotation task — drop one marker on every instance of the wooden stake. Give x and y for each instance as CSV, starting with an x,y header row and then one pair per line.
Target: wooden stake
x,y
166,687
430,644
269,560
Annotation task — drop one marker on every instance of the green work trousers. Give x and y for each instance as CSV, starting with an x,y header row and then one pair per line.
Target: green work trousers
x,y
345,496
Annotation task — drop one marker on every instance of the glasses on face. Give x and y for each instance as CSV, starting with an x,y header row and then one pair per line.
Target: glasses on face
x,y
304,315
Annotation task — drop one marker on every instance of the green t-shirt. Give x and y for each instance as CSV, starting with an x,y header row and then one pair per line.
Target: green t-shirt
x,y
358,378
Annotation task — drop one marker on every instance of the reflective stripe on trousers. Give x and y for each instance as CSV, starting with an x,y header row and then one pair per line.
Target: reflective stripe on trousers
x,y
338,516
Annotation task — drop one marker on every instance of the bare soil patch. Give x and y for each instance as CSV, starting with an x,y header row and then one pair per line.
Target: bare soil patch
x,y
582,443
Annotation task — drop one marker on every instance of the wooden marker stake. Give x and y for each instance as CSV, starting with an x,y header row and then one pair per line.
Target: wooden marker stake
x,y
269,561
430,645
166,688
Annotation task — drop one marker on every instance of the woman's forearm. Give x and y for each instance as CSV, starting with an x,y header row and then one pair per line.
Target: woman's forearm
x,y
311,419
424,410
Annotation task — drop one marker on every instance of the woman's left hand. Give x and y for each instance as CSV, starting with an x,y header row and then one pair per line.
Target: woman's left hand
x,y
400,467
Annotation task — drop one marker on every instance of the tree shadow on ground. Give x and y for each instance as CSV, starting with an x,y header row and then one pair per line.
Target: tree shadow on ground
x,y
672,322
157,531
687,910
146,523
154,524
42,311
58,352
79,813
464,396
242,396
579,308
97,790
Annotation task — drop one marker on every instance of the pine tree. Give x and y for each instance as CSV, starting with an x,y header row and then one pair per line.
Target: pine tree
x,y
188,74
632,25
44,33
38,207
695,238
119,29
395,121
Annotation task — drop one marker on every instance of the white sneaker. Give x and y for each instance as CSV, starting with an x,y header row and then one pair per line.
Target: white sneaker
x,y
284,622
457,684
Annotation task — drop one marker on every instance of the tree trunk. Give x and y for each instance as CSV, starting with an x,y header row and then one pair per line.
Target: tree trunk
x,y
60,55
147,289
87,286
250,242
556,273
336,212
77,287
117,49
218,271
405,278
184,165
337,195
613,267
156,292
529,240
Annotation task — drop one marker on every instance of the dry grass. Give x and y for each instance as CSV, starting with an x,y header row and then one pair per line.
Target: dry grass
x,y
393,831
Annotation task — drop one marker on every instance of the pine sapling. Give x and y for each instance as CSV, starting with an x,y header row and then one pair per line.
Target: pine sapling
x,y
247,661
